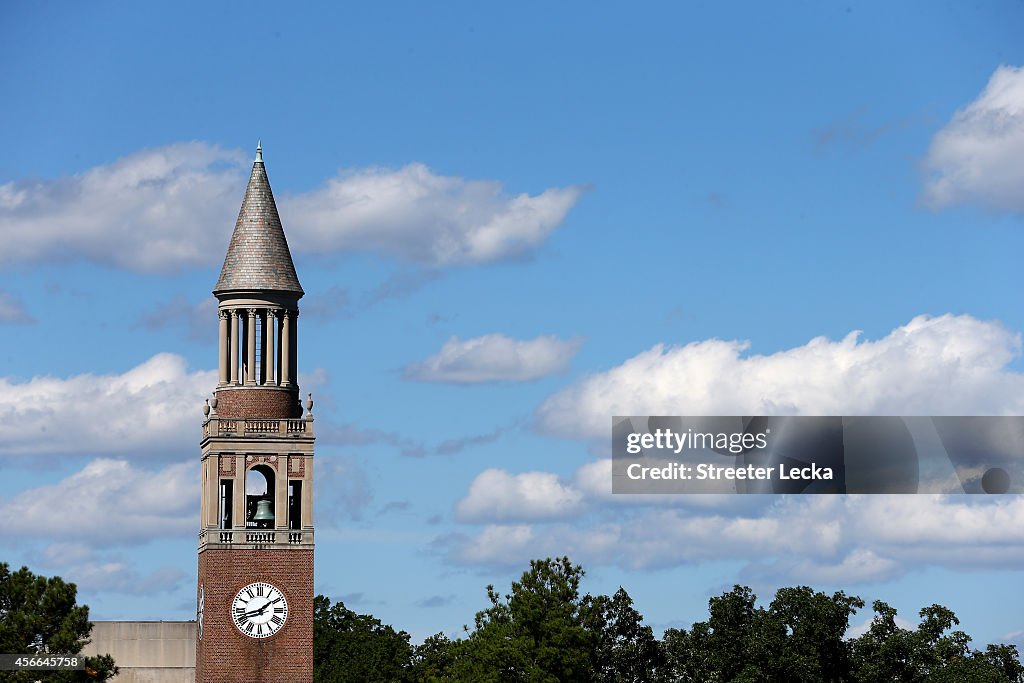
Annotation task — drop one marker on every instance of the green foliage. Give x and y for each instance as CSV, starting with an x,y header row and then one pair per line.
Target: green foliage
x,y
799,637
356,648
432,659
929,654
627,651
40,615
810,630
535,634
545,631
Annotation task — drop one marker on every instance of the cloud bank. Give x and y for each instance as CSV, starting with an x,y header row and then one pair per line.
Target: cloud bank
x,y
109,502
976,157
424,218
171,207
495,358
150,410
835,540
155,210
496,495
932,365
946,365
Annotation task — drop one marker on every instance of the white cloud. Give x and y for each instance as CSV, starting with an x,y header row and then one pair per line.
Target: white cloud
x,y
169,207
496,495
947,365
423,217
976,156
837,540
495,358
153,210
860,565
944,365
505,545
110,502
154,408
12,310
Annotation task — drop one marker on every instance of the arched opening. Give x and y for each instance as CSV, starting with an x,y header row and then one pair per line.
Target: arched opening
x,y
259,498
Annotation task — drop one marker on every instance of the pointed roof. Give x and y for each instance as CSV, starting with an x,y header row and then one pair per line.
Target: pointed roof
x,y
258,257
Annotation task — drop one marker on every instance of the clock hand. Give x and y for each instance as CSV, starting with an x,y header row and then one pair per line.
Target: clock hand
x,y
255,612
268,605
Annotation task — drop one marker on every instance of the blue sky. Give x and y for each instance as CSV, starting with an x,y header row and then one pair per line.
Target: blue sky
x,y
513,222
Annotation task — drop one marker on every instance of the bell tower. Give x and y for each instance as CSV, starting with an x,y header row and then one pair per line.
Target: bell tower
x,y
254,604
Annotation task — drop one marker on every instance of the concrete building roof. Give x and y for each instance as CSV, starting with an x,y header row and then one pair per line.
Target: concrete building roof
x,y
258,257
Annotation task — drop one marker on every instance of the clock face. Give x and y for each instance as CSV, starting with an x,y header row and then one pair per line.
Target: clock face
x,y
199,611
259,610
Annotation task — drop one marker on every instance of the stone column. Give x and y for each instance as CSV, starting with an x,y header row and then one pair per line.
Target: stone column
x,y
223,354
286,346
234,345
293,356
250,356
263,374
208,497
271,359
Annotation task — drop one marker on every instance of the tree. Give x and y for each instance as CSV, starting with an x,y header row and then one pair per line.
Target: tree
x,y
726,647
885,652
432,659
544,630
931,653
810,630
356,648
535,634
799,637
39,615
626,651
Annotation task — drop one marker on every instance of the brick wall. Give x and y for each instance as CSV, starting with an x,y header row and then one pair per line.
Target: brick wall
x,y
224,655
258,403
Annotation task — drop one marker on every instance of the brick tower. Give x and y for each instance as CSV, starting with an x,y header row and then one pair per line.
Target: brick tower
x,y
255,591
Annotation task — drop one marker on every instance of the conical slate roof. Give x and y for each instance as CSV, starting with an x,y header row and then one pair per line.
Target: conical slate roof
x,y
258,256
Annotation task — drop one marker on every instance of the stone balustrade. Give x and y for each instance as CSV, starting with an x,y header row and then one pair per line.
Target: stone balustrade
x,y
246,427
256,537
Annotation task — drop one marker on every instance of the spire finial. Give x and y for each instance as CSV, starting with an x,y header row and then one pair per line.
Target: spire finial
x,y
259,151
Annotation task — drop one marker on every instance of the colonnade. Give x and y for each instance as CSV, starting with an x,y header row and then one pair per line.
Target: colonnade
x,y
270,363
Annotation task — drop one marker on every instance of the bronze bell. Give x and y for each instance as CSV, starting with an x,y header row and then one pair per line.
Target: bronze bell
x,y
263,512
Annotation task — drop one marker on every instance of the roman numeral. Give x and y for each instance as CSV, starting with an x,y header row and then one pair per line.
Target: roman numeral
x,y
259,590
259,629
277,620
248,627
278,610
249,591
